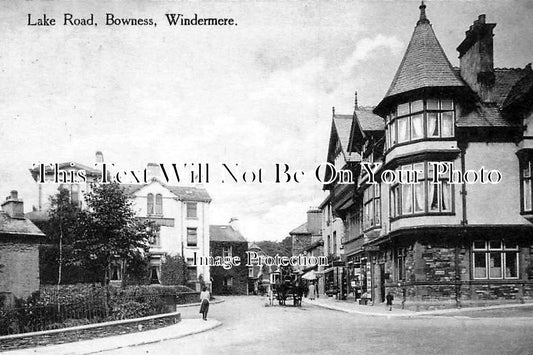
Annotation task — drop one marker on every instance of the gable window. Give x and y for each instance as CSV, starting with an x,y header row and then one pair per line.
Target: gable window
x,y
226,251
150,204
526,191
192,237
159,204
424,197
495,259
420,119
192,210
372,206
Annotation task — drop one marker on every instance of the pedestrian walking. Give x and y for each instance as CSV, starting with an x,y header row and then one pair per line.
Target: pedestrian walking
x,y
312,291
204,299
389,299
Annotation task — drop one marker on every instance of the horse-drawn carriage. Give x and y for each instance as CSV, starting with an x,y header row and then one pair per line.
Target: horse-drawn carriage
x,y
286,283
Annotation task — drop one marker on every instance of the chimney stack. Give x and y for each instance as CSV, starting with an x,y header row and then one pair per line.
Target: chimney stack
x,y
153,171
13,206
476,54
99,157
314,220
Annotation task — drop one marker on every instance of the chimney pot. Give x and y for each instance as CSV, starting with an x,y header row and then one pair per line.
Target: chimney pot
x,y
481,18
13,207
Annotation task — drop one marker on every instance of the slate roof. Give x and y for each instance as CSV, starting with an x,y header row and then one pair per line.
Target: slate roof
x,y
368,120
302,229
183,193
224,233
424,63
18,226
343,123
484,115
511,85
522,87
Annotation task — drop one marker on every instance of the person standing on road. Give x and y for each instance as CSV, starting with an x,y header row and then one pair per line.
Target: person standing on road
x,y
389,299
204,299
312,291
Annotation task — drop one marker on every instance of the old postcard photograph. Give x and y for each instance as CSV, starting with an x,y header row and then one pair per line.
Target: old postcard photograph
x,y
269,177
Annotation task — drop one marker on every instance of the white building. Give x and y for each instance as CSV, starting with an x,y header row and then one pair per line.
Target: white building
x,y
182,215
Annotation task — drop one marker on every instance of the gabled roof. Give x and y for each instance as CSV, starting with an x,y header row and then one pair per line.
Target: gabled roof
x,y
302,229
521,87
424,64
484,115
365,122
225,233
368,120
340,132
18,226
183,193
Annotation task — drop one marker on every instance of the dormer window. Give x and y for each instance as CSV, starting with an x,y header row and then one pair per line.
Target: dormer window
x,y
420,119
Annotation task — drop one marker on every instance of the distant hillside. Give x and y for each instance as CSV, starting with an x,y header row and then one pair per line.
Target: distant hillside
x,y
271,248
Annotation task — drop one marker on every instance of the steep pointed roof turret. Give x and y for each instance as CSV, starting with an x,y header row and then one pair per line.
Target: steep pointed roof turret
x,y
424,64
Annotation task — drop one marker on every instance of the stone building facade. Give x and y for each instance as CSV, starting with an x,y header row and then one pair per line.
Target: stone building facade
x,y
227,241
445,238
19,252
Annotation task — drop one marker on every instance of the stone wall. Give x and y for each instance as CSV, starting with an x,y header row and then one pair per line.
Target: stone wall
x,y
239,274
20,273
87,332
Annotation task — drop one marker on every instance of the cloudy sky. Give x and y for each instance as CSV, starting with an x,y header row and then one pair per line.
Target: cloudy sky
x,y
254,94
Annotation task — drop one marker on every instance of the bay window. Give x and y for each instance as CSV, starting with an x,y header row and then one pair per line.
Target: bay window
x,y
525,177
495,259
420,119
422,197
372,206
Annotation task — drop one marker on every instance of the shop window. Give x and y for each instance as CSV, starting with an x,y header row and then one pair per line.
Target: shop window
x,y
495,260
420,119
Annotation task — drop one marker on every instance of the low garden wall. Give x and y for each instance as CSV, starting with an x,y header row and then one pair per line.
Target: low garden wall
x,y
82,304
67,335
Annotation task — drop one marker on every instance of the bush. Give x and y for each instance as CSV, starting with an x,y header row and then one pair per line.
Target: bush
x,y
130,310
173,270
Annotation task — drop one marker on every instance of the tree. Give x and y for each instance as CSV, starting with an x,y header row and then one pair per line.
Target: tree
x,y
271,248
173,270
109,230
62,225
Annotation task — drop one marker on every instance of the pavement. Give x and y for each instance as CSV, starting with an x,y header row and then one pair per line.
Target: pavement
x,y
182,329
383,311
